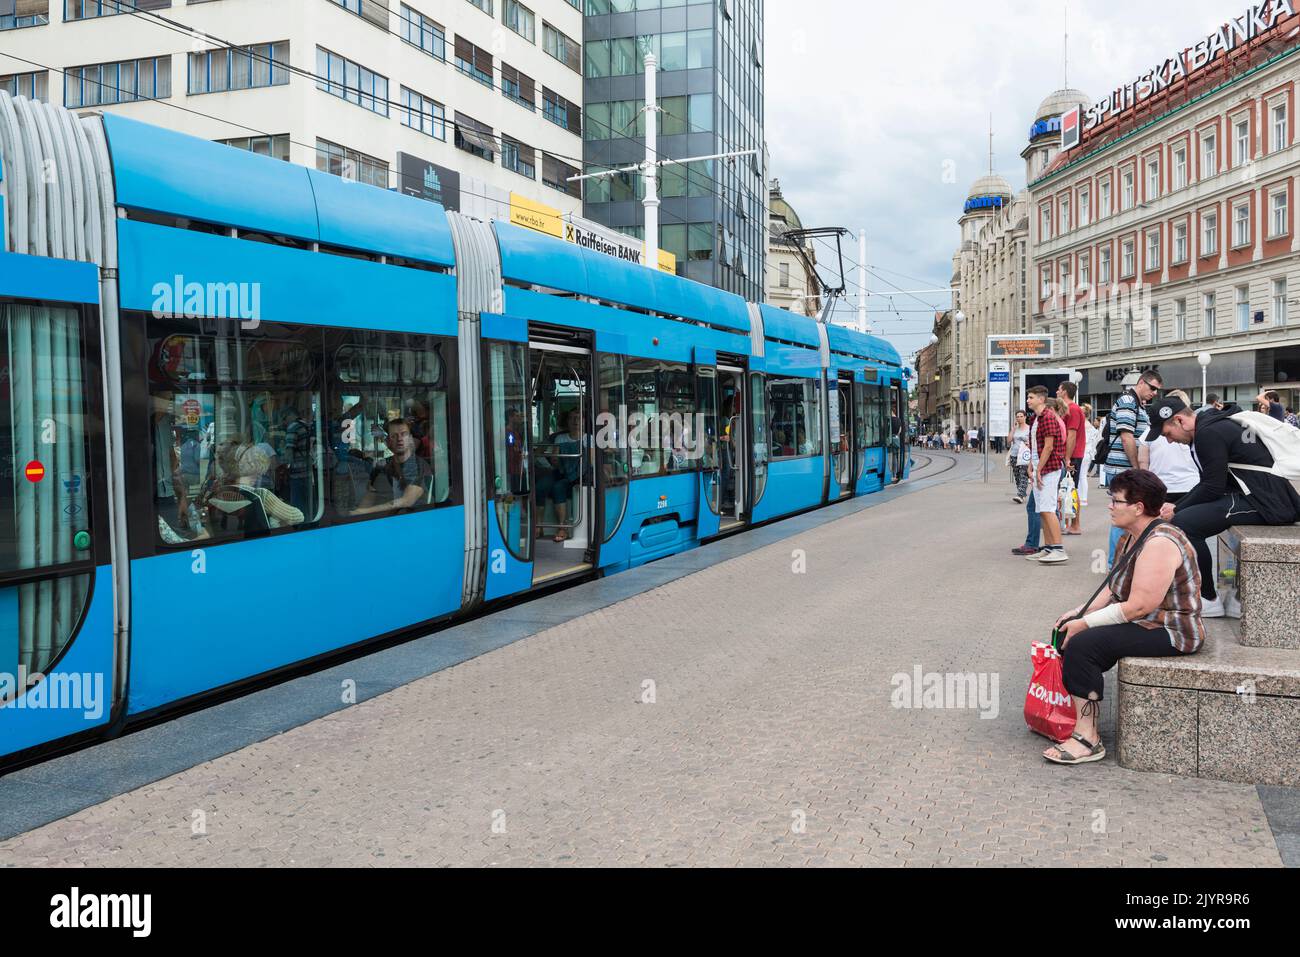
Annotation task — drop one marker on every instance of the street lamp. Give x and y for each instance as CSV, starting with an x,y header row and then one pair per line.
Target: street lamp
x,y
1204,359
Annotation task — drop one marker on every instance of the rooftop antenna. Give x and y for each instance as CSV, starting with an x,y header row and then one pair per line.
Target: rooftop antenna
x,y
1067,45
990,144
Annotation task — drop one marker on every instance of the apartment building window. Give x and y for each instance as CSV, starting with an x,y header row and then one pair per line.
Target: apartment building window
x,y
1045,223
1209,154
423,114
518,157
556,173
1065,338
475,137
1209,233
1243,308
518,87
1083,337
350,164
1241,225
1085,270
1153,326
419,31
1153,250
1045,282
1103,198
125,81
484,5
520,19
1180,167
1153,178
1207,314
1180,242
1126,190
242,68
1066,288
1128,329
88,9
1103,265
1106,344
1279,302
276,147
474,61
1065,215
1280,221
784,279
339,76
1241,142
561,112
34,86
1180,320
1127,266
1281,138
27,13
1085,207
375,11
562,47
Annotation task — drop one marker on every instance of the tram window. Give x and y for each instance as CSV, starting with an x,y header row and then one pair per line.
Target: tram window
x,y
43,423
389,423
794,414
235,423
861,417
661,418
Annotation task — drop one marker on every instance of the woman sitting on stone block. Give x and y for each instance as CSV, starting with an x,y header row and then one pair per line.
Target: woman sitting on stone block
x,y
1151,610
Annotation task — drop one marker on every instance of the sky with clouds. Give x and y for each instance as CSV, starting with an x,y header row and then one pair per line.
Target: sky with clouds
x,y
869,104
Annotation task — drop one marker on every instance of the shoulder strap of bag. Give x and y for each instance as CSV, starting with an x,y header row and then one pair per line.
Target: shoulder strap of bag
x,y
1130,554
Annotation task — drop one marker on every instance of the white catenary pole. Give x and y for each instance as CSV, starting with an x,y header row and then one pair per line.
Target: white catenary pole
x,y
862,281
651,202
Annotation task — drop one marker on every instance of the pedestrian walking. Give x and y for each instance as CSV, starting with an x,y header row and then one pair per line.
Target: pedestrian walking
x,y
1128,426
1092,435
1020,456
1076,431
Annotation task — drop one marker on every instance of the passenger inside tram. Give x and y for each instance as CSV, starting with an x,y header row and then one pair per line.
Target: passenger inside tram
x,y
558,473
403,480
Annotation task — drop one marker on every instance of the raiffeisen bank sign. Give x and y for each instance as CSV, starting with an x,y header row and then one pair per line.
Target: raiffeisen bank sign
x,y
1256,21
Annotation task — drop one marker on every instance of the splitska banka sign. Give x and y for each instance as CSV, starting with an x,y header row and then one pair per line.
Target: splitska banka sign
x,y
1258,19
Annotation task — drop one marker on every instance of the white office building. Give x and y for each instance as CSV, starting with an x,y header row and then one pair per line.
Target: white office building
x,y
461,101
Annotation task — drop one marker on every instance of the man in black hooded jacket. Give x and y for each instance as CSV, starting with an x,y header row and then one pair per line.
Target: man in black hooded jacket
x,y
1225,496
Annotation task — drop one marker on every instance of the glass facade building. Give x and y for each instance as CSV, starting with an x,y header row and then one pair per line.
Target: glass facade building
x,y
713,214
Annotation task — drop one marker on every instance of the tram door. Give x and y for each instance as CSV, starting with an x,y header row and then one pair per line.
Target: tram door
x,y
561,429
57,676
845,454
897,433
733,445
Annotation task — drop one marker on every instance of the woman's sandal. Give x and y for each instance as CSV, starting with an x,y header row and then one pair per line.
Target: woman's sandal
x,y
1096,751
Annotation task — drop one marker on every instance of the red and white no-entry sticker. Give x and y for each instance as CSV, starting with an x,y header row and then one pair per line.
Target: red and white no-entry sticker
x,y
35,471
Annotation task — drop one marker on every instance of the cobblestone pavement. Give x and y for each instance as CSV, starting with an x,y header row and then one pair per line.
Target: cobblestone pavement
x,y
771,738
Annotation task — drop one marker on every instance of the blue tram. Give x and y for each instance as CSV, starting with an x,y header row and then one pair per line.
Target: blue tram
x,y
253,415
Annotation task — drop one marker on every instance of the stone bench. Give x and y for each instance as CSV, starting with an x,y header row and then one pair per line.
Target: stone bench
x,y
1229,712
1264,561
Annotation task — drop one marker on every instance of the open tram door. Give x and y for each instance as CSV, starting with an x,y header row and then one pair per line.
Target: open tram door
x,y
724,473
845,452
562,467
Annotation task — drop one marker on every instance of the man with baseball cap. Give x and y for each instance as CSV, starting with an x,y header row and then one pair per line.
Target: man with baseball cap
x,y
1225,496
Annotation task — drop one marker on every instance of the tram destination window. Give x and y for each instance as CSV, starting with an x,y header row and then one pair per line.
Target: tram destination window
x,y
291,427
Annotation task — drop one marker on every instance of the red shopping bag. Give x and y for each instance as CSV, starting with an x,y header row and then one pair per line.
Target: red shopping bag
x,y
1049,709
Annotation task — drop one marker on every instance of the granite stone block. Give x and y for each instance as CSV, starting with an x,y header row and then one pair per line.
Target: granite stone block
x,y
1156,729
1223,664
1279,544
1249,741
1270,604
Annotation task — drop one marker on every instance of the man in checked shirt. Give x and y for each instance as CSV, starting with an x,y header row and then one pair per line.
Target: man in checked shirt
x,y
1047,447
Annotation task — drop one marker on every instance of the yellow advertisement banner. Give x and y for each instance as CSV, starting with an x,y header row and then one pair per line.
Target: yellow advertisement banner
x,y
534,215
